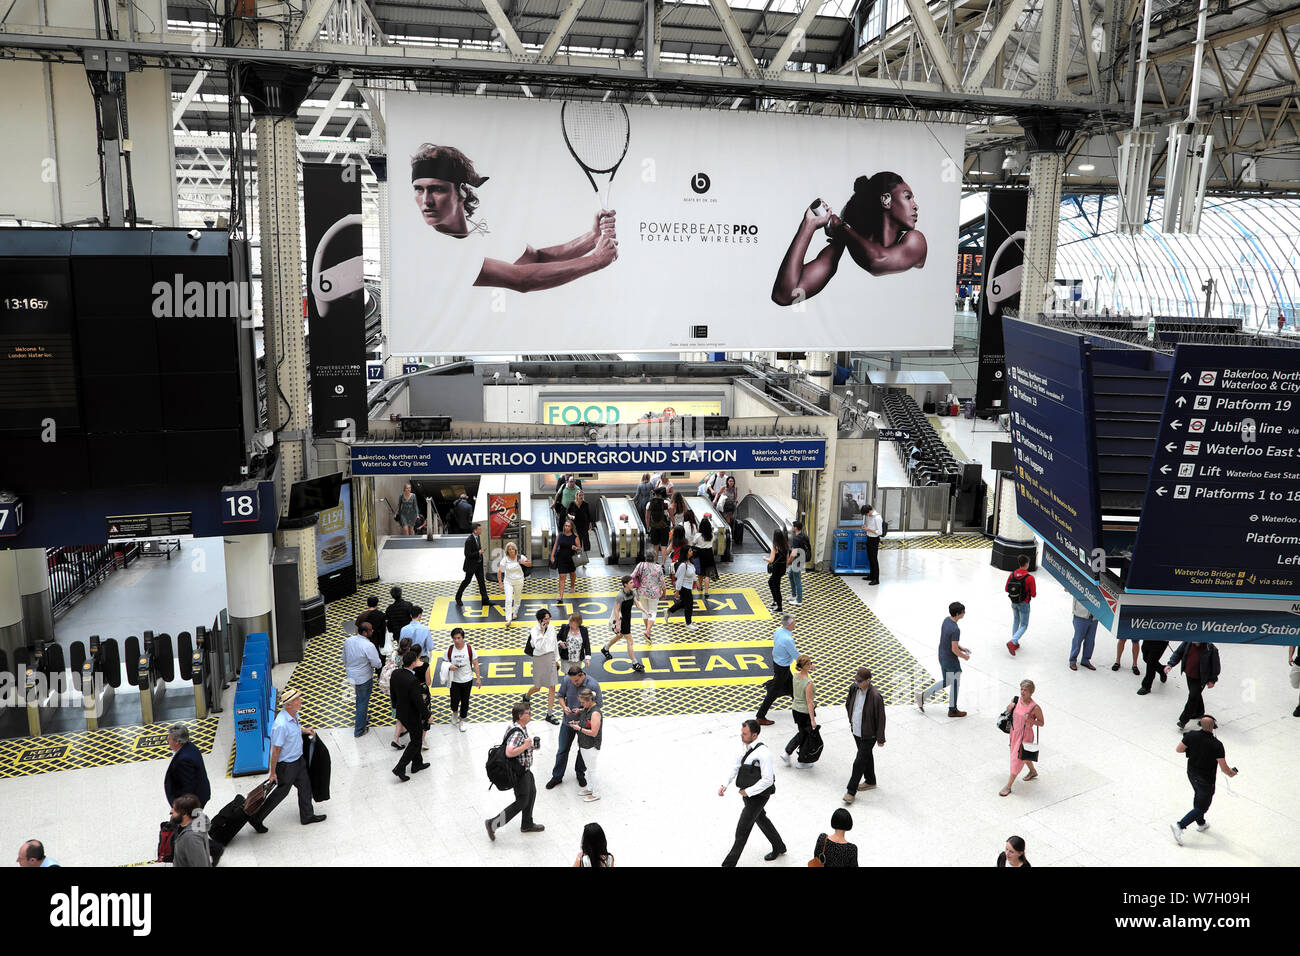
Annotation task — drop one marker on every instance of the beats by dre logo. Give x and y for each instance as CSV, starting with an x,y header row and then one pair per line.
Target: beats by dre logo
x,y
700,182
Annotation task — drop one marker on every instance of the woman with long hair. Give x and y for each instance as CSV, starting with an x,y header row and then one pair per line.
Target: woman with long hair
x,y
803,710
595,850
567,544
1013,853
877,226
703,545
776,563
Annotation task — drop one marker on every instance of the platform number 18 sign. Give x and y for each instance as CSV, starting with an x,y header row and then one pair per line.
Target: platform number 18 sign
x,y
238,507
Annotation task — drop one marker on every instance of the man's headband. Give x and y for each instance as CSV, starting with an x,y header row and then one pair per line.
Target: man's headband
x,y
444,169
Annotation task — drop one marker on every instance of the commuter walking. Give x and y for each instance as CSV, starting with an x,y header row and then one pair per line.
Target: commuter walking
x,y
800,552
542,646
755,778
397,615
703,544
579,512
567,544
1085,635
185,771
803,710
588,724
519,748
783,654
462,663
834,849
190,847
421,637
360,661
394,665
1152,651
1200,665
866,709
407,696
1205,756
727,500
288,766
574,683
574,644
378,623
620,623
1119,654
473,567
776,565
658,525
641,497
408,510
648,581
874,526
1026,718
684,578
951,654
1021,589
32,854
510,578
1013,853
595,849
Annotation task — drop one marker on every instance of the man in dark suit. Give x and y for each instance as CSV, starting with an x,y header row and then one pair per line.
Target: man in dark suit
x,y
397,615
375,618
408,704
473,567
185,772
463,514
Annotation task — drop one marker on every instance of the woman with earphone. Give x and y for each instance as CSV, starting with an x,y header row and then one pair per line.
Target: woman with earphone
x,y
877,226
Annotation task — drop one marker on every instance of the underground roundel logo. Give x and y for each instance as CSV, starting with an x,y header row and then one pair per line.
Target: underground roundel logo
x,y
700,182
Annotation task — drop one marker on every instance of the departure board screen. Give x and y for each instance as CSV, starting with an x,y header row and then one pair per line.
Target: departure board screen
x,y
38,380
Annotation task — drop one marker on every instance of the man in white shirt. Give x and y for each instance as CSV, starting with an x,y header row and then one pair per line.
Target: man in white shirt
x,y
755,794
873,526
359,662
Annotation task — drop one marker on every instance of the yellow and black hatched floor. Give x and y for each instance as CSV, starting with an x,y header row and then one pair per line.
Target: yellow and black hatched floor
x,y
77,750
951,542
719,667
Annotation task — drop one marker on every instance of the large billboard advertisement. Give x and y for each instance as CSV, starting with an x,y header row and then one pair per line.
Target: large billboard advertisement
x,y
1004,252
545,226
578,411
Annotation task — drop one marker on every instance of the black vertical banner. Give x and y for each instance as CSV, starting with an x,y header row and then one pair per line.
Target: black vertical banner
x,y
1004,253
335,296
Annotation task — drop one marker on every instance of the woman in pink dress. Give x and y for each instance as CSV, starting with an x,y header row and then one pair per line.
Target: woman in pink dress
x,y
1026,717
648,580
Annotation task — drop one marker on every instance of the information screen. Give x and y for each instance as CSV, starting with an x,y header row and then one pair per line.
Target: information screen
x,y
38,380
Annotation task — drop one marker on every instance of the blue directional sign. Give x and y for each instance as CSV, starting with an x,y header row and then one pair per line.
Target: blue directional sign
x,y
1096,598
1049,396
1216,625
1222,509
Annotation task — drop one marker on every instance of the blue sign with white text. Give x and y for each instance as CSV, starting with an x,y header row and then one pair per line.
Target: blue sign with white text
x,y
1222,509
1100,602
1049,396
470,458
1216,625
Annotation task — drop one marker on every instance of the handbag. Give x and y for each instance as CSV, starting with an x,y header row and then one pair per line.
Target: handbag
x,y
1030,753
1295,676
749,773
1004,721
528,644
820,858
579,558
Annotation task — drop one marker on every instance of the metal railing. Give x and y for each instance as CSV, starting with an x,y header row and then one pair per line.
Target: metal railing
x,y
78,569
913,509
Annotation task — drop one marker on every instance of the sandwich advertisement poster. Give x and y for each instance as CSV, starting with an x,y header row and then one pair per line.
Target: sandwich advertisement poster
x,y
526,226
334,535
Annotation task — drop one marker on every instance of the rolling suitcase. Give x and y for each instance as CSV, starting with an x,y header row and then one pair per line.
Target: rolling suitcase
x,y
228,822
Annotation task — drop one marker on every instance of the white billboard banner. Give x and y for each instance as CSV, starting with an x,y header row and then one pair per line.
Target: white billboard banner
x,y
524,226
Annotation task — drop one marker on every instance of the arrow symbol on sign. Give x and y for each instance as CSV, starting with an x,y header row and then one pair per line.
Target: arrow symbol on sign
x,y
1186,377
1160,491
1164,469
1176,423
1180,401
1170,446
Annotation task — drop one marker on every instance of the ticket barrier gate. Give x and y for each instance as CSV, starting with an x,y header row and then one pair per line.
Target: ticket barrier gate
x,y
44,681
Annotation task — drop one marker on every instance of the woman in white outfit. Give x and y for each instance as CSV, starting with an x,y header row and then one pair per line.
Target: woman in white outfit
x,y
510,576
545,641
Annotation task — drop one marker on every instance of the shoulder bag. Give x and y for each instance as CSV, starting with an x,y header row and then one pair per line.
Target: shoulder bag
x,y
1029,751
820,858
1004,721
749,773
1295,676
579,558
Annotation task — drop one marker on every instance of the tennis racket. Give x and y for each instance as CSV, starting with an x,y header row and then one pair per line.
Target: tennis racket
x,y
597,135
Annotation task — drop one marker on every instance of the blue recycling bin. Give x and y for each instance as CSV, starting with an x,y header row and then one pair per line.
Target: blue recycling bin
x,y
842,560
861,559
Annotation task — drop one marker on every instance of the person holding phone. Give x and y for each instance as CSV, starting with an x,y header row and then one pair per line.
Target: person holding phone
x,y
588,725
519,748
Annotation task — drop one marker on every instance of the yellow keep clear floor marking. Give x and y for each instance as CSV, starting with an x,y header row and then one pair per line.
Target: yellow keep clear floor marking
x,y
720,603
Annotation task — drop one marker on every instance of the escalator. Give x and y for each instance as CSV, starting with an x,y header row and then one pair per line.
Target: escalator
x,y
762,516
620,531
701,507
543,529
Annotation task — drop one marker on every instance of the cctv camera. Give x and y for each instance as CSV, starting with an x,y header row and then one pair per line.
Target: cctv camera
x,y
195,235
874,416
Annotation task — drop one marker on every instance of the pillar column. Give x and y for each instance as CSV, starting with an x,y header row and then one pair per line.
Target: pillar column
x,y
248,588
34,591
12,635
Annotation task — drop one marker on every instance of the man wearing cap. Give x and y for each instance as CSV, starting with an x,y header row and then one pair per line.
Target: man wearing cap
x,y
444,179
288,764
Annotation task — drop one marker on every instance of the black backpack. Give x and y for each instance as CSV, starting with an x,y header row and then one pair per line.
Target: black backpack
x,y
658,513
884,528
1016,589
502,771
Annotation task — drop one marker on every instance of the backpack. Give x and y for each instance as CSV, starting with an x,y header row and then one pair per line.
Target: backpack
x,y
658,513
502,771
386,674
1016,589
884,528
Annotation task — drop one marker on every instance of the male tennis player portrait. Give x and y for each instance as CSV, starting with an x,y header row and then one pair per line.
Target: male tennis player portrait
x,y
444,181
877,226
